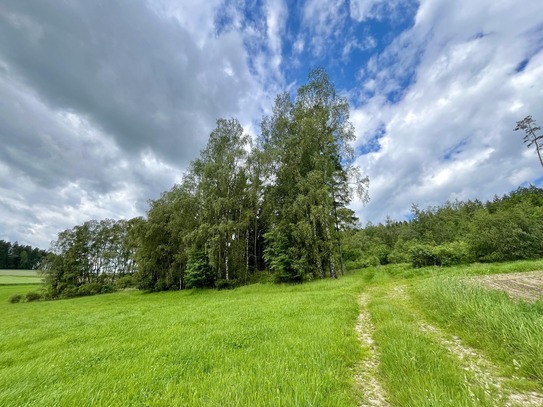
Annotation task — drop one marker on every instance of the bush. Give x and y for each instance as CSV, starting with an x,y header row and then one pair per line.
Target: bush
x,y
125,282
453,253
107,289
364,262
89,289
15,298
33,296
69,292
422,255
399,255
199,273
226,284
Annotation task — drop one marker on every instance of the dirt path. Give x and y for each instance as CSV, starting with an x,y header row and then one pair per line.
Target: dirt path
x,y
473,361
373,393
527,286
484,372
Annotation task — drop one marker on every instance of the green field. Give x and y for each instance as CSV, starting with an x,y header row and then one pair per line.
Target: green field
x,y
13,277
273,345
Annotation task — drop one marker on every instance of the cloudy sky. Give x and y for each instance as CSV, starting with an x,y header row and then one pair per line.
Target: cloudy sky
x,y
103,104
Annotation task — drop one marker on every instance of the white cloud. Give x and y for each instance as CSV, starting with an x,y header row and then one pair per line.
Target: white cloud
x,y
450,135
323,21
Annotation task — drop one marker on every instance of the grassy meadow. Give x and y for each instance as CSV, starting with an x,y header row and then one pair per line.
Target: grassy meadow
x,y
257,345
277,345
13,277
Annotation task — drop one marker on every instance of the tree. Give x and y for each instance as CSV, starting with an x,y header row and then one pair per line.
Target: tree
x,y
531,138
309,160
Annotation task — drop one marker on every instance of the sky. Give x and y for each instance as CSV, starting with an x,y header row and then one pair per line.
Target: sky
x,y
103,104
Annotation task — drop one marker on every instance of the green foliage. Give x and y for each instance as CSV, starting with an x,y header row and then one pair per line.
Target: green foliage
x,y
422,255
453,253
306,142
15,298
223,284
125,282
33,296
87,259
505,229
14,256
508,233
510,331
199,272
447,254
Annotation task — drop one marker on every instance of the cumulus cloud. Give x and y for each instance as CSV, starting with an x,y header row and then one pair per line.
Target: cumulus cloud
x,y
105,104
449,135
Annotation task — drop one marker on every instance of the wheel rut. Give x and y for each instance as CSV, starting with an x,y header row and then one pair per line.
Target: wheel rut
x,y
372,393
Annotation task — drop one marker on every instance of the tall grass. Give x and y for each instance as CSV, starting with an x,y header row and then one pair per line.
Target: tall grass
x,y
509,331
255,346
417,370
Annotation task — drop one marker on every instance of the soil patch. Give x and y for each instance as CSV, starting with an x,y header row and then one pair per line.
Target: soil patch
x,y
527,285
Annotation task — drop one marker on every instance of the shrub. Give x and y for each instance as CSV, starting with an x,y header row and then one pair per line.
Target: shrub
x,y
450,254
107,289
226,284
125,282
15,298
33,296
363,262
69,292
199,273
422,255
89,289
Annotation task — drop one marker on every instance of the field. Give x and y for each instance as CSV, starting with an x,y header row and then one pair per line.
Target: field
x,y
386,336
527,286
12,277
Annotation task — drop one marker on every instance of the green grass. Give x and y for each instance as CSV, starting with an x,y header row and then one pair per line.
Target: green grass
x,y
416,368
265,345
12,277
257,345
25,273
509,331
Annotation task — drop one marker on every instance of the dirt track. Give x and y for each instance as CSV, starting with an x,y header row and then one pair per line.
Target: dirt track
x,y
527,286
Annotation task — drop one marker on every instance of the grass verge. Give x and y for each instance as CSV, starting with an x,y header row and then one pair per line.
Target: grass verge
x,y
508,331
416,369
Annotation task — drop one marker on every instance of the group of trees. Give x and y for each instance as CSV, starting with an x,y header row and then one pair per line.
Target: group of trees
x,y
506,228
91,258
22,257
278,204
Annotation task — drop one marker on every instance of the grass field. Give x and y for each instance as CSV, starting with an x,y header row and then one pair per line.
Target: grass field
x,y
269,345
12,277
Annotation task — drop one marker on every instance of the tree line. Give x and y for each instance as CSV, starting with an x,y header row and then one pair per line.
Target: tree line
x,y
14,256
276,205
96,257
506,228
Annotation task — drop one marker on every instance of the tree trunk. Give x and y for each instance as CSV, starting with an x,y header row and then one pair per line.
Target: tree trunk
x,y
226,270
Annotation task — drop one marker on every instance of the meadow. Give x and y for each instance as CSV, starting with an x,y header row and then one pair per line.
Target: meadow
x,y
438,339
12,277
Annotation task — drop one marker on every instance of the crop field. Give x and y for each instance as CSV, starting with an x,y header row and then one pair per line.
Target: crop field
x,y
384,336
11,277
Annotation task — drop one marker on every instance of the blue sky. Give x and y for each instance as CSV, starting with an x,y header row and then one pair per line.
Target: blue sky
x,y
104,104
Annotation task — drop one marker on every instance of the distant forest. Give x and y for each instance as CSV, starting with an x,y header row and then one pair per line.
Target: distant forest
x,y
503,229
15,256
